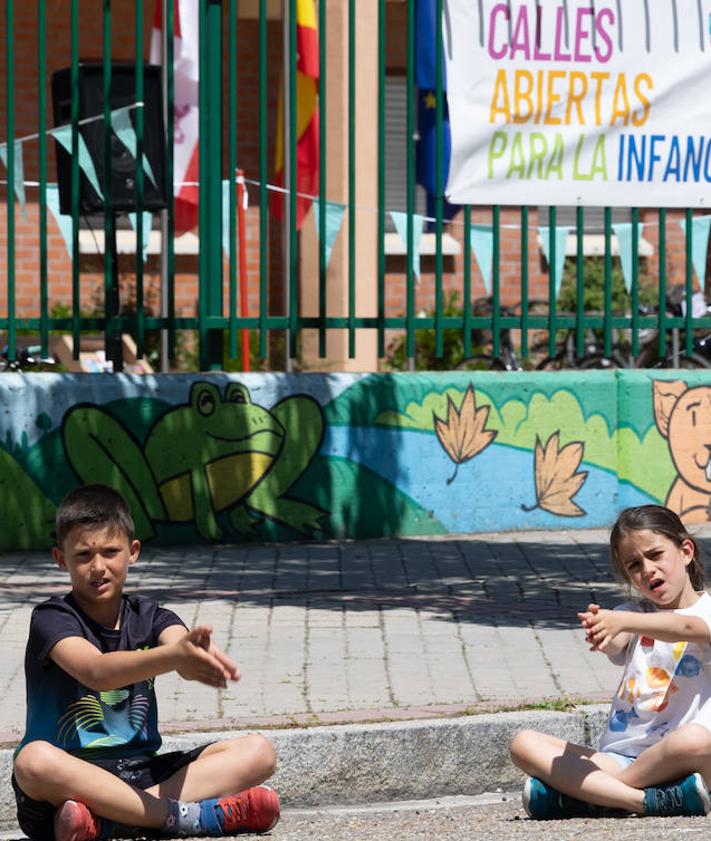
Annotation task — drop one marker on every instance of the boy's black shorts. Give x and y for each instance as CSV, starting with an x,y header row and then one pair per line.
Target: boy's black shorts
x,y
36,817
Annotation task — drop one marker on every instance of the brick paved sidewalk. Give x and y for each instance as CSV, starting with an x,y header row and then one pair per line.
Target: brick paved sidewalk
x,y
357,631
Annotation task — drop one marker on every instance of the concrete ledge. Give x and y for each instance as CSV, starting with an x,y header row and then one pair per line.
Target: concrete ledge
x,y
359,763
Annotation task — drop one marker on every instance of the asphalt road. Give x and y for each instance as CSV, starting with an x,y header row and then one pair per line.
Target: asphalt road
x,y
473,819
482,818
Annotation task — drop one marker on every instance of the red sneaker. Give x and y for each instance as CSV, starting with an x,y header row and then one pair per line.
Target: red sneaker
x,y
253,810
74,821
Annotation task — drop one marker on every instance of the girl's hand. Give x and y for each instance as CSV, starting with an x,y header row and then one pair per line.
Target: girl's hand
x,y
602,626
586,620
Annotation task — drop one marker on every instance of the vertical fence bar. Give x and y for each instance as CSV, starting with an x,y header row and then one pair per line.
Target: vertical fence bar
x,y
467,302
351,178
110,292
381,177
210,166
202,200
322,192
74,116
524,281
292,185
140,305
10,122
662,308
580,284
635,281
169,27
263,175
231,170
410,155
214,179
689,292
552,298
496,281
42,152
439,187
607,327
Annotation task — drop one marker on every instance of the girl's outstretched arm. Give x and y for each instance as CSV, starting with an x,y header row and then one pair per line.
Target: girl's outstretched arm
x,y
606,625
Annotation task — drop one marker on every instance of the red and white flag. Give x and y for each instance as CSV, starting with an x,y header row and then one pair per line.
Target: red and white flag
x,y
186,64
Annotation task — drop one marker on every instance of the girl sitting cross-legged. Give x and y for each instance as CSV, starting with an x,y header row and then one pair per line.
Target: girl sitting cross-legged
x,y
654,757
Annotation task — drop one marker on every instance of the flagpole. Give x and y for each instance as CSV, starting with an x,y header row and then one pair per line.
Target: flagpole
x,y
164,229
286,228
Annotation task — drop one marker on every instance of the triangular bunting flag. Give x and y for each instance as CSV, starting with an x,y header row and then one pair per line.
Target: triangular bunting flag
x,y
418,224
482,241
623,232
63,135
561,237
64,223
18,175
124,130
334,220
147,225
700,227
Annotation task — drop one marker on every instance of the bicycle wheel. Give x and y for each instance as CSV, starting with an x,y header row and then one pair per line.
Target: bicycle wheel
x,y
559,362
689,363
481,362
598,362
592,362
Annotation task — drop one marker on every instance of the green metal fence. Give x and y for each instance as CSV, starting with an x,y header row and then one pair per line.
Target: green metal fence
x,y
219,93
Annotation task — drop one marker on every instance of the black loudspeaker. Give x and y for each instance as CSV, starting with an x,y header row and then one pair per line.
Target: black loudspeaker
x,y
91,104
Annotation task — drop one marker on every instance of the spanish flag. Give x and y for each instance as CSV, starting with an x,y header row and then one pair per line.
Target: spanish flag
x,y
307,147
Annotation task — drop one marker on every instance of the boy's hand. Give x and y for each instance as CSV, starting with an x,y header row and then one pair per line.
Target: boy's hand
x,y
203,638
202,661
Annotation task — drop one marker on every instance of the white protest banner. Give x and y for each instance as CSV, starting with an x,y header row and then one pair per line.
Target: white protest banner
x,y
579,102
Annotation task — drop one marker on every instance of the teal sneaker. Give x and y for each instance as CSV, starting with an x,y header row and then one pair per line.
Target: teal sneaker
x,y
542,802
684,797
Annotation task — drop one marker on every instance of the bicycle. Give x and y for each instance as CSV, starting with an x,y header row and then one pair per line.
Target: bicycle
x,y
507,359
28,358
648,356
567,358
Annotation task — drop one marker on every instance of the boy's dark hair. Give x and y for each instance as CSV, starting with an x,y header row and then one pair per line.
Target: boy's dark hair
x,y
660,520
93,506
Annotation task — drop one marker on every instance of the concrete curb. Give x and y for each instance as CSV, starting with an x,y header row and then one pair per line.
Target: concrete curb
x,y
361,763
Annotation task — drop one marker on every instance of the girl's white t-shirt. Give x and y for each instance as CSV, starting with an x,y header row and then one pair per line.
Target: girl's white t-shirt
x,y
665,685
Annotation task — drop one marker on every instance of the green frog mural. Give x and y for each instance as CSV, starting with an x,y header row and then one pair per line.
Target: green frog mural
x,y
214,454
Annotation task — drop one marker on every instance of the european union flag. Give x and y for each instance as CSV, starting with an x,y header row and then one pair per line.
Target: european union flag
x,y
426,78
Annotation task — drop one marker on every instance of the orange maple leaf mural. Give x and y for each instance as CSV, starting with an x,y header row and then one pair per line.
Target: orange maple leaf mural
x,y
463,434
556,478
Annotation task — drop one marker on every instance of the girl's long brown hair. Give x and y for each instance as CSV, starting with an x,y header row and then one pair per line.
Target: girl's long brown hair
x,y
660,520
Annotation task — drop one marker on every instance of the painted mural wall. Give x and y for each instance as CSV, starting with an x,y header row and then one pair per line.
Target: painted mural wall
x,y
317,456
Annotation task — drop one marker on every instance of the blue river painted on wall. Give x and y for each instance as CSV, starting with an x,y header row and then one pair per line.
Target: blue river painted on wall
x,y
490,491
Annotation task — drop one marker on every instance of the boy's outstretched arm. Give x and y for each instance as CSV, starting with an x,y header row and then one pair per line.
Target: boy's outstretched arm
x,y
113,670
604,627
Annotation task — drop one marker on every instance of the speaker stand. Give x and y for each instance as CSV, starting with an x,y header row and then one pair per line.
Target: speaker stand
x,y
114,349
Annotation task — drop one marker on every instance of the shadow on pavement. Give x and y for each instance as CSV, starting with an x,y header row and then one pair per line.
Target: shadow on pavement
x,y
512,582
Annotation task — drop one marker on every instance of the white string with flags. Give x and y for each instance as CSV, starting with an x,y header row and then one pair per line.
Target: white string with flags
x,y
481,235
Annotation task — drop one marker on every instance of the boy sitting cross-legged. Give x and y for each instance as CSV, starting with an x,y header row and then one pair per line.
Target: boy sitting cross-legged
x,y
87,762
